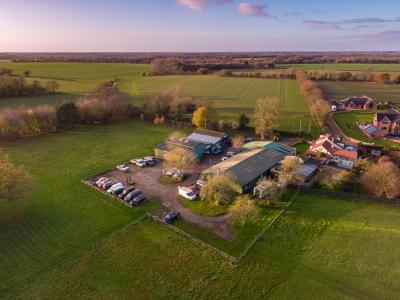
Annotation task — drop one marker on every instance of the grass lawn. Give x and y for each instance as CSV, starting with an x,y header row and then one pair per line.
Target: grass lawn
x,y
64,216
301,147
346,67
337,90
202,207
320,248
230,96
347,122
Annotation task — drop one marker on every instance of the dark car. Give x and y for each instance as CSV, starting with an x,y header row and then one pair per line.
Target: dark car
x,y
118,191
150,162
171,217
109,184
132,195
126,192
137,200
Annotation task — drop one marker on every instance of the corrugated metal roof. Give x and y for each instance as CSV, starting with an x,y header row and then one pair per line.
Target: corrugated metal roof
x,y
201,138
278,147
248,166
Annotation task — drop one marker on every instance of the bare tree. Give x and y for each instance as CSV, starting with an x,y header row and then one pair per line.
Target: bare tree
x,y
267,113
220,189
382,180
244,209
238,142
290,173
179,157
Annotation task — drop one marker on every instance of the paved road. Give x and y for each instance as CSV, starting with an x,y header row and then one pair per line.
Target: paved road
x,y
336,131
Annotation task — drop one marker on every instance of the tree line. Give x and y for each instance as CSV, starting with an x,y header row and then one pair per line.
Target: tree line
x,y
104,103
11,86
319,108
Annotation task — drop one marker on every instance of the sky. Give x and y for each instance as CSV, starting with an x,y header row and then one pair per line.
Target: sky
x,y
199,25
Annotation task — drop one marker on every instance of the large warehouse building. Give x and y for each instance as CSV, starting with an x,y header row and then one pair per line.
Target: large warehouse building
x,y
249,166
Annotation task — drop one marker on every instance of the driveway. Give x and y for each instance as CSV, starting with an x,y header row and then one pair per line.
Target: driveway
x,y
146,179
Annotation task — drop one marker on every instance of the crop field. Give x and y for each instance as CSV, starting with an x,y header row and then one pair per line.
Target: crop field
x,y
321,248
64,216
335,90
230,96
346,67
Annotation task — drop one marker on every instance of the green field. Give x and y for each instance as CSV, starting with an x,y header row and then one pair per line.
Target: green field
x,y
230,96
346,67
64,215
320,249
337,90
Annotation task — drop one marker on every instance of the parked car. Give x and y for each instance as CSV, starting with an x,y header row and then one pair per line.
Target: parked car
x,y
170,172
123,168
137,200
248,140
139,162
126,192
195,189
104,182
201,182
171,217
114,187
178,175
231,153
100,180
109,184
132,195
150,161
118,191
186,192
224,158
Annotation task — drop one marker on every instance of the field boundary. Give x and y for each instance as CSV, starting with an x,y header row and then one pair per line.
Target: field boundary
x,y
231,258
73,256
265,229
355,196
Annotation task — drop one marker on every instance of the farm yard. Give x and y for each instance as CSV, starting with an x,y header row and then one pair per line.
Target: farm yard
x,y
229,96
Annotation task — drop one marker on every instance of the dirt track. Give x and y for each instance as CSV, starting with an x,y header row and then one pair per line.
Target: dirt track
x,y
146,179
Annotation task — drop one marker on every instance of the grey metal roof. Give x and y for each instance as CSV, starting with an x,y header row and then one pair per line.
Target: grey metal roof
x,y
309,166
202,138
248,166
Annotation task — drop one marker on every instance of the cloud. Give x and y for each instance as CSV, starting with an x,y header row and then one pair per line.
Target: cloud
x,y
337,25
201,5
253,10
318,25
381,37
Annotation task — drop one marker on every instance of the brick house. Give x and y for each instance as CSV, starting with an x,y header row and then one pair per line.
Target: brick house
x,y
356,103
336,154
388,121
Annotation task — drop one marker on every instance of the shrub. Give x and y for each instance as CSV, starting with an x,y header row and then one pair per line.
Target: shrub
x,y
67,115
220,190
244,209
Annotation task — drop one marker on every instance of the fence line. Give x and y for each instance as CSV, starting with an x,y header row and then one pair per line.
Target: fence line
x,y
189,236
105,192
269,225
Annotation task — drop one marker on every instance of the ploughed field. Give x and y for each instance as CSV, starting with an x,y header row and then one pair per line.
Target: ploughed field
x,y
337,90
68,242
230,96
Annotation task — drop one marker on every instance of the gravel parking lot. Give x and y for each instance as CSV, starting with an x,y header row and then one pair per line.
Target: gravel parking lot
x,y
147,180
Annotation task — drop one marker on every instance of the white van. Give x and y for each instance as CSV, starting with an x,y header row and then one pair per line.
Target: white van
x,y
186,193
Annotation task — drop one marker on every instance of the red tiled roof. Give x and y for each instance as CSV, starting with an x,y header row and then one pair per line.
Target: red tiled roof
x,y
345,153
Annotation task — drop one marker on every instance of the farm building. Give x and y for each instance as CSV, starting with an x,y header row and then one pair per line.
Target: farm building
x,y
248,167
201,142
277,147
309,168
